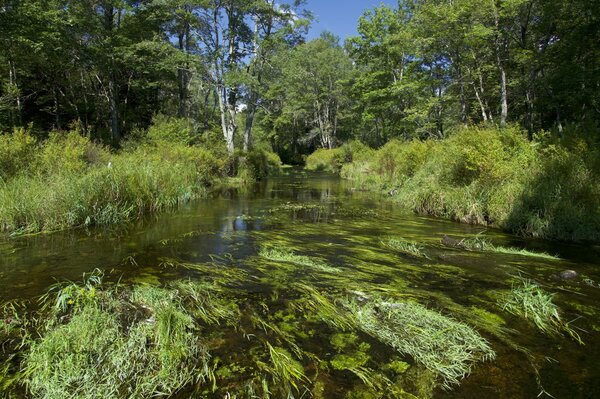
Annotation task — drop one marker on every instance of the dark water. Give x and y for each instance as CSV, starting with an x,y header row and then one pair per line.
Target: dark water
x,y
319,215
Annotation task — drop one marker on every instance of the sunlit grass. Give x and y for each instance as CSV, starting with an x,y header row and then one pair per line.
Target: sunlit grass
x,y
284,255
402,246
481,243
531,302
443,345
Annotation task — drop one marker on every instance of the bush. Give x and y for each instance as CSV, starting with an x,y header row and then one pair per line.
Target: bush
x,y
17,150
257,164
333,160
69,152
172,130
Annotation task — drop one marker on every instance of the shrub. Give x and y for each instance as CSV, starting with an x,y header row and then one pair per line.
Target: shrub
x,y
332,160
17,150
256,164
69,152
172,130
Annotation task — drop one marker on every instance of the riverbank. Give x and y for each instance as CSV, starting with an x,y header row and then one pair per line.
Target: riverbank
x,y
66,181
484,176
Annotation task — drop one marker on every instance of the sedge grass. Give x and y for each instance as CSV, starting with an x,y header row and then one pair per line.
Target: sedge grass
x,y
531,302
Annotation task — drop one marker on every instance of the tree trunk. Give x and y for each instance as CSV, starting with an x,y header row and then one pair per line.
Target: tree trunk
x,y
499,45
12,73
113,109
250,113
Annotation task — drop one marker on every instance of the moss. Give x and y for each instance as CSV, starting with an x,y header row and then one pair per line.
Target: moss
x,y
342,341
398,366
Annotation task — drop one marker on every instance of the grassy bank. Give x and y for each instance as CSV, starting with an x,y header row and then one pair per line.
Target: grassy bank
x,y
67,181
484,176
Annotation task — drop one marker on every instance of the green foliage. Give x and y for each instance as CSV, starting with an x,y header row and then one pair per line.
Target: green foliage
x,y
17,149
93,355
492,177
332,160
285,255
171,130
529,301
402,246
443,345
257,164
69,152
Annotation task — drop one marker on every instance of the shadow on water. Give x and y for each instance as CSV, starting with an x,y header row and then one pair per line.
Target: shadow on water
x,y
317,216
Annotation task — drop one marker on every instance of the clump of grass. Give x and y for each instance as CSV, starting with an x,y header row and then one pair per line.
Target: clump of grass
x,y
481,243
443,345
522,252
114,342
284,255
402,246
531,302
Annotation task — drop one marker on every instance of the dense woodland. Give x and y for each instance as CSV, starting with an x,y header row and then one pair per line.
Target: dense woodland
x,y
244,69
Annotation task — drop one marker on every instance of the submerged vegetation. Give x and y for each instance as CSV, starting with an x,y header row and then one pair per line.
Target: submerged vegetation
x,y
446,347
284,255
405,247
531,302
481,243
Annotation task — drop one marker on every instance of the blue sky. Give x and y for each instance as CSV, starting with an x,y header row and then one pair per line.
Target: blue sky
x,y
340,16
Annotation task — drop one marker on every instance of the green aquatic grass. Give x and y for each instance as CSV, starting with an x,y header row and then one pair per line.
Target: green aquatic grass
x,y
531,302
92,356
522,252
142,341
402,246
481,243
445,346
285,255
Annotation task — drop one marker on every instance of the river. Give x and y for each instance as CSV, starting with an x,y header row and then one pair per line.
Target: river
x,y
320,216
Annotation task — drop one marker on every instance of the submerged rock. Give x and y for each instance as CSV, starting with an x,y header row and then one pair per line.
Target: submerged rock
x,y
452,242
568,274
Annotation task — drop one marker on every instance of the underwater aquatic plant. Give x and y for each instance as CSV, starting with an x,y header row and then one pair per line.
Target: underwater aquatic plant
x,y
531,302
445,346
405,247
481,243
284,255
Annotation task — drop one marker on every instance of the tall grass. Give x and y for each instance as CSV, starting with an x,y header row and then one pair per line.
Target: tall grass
x,y
67,181
492,177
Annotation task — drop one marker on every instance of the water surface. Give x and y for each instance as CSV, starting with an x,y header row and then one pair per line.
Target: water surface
x,y
321,216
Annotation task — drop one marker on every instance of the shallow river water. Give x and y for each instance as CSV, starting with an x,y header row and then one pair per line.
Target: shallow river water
x,y
345,231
